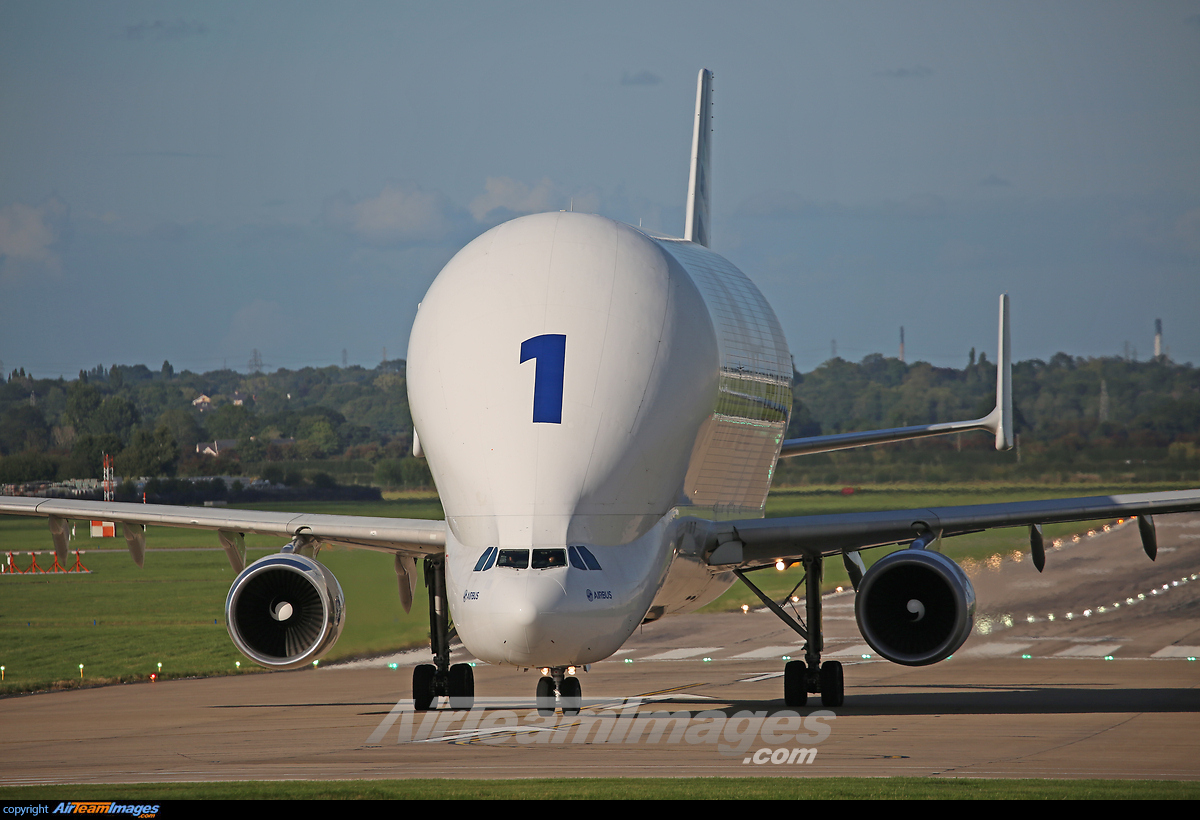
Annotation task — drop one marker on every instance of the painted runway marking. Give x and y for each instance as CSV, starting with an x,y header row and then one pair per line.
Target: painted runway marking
x,y
996,649
680,654
770,652
1086,651
1177,652
856,651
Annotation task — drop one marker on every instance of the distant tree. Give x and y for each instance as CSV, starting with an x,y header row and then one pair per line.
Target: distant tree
x,y
184,427
230,421
149,454
82,401
23,427
116,416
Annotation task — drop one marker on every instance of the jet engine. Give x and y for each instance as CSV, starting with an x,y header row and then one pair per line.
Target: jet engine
x,y
915,607
284,611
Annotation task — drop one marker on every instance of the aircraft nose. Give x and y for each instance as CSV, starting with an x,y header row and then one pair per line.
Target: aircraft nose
x,y
534,618
524,612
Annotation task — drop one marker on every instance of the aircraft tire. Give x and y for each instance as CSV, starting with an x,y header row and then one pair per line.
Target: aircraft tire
x,y
545,696
423,686
462,686
833,689
795,685
572,696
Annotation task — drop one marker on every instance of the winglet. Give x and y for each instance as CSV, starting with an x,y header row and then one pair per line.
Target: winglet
x,y
699,181
1002,416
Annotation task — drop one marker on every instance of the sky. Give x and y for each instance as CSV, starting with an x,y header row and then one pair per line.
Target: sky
x,y
195,181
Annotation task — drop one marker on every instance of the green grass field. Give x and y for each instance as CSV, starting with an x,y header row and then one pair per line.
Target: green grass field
x,y
120,622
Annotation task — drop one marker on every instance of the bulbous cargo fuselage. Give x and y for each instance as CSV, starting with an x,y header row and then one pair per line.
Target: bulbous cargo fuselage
x,y
577,383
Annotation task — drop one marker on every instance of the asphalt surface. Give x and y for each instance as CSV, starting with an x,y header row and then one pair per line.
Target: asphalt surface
x,y
1055,682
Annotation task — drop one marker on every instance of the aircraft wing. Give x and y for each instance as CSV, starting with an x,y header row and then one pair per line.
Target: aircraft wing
x,y
756,542
409,536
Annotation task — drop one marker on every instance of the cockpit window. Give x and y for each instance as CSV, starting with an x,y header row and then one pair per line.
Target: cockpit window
x,y
486,560
517,559
582,558
547,558
588,558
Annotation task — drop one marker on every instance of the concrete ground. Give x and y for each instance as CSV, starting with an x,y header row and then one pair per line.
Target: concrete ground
x,y
1106,694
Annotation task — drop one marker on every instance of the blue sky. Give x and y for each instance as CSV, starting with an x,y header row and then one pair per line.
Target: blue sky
x,y
192,181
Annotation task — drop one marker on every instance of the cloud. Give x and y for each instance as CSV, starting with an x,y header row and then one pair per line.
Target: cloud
x,y
918,72
163,30
401,213
502,193
643,77
994,181
29,235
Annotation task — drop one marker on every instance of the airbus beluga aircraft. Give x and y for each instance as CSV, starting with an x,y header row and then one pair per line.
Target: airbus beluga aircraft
x,y
602,410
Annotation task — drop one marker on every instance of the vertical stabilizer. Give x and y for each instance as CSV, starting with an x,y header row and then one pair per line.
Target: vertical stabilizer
x,y
699,181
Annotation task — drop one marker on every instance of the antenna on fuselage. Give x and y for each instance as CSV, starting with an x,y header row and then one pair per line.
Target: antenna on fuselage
x,y
696,229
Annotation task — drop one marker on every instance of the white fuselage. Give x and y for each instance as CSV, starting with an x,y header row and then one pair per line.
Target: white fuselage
x,y
577,382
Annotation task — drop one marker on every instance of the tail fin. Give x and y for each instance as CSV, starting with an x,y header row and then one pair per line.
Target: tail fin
x,y
699,193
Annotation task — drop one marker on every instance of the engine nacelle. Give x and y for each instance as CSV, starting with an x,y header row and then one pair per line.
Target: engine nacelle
x,y
915,607
284,611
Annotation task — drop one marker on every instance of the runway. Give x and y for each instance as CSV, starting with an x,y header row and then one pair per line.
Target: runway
x,y
1033,697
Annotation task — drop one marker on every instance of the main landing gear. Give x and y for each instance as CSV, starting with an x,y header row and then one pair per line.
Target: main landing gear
x,y
809,675
430,680
570,693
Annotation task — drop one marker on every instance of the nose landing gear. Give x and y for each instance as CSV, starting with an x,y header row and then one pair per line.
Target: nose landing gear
x,y
570,693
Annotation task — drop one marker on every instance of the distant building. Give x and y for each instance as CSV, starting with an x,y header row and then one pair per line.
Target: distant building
x,y
215,448
202,403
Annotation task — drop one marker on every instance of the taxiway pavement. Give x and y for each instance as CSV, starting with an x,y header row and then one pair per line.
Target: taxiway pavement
x,y
1081,672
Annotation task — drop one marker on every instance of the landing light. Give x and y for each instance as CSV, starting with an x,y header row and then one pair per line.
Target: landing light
x,y
779,565
570,670
745,608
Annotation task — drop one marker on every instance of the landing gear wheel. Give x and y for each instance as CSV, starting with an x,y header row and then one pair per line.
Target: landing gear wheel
x,y
423,695
462,686
795,689
833,690
572,696
545,696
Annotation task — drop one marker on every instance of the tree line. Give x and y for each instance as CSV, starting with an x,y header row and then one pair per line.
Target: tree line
x,y
1073,416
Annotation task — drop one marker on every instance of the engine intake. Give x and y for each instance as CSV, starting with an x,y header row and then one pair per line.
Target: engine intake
x,y
915,607
285,610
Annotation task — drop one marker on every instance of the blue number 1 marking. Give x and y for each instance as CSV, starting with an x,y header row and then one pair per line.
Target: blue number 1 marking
x,y
550,351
